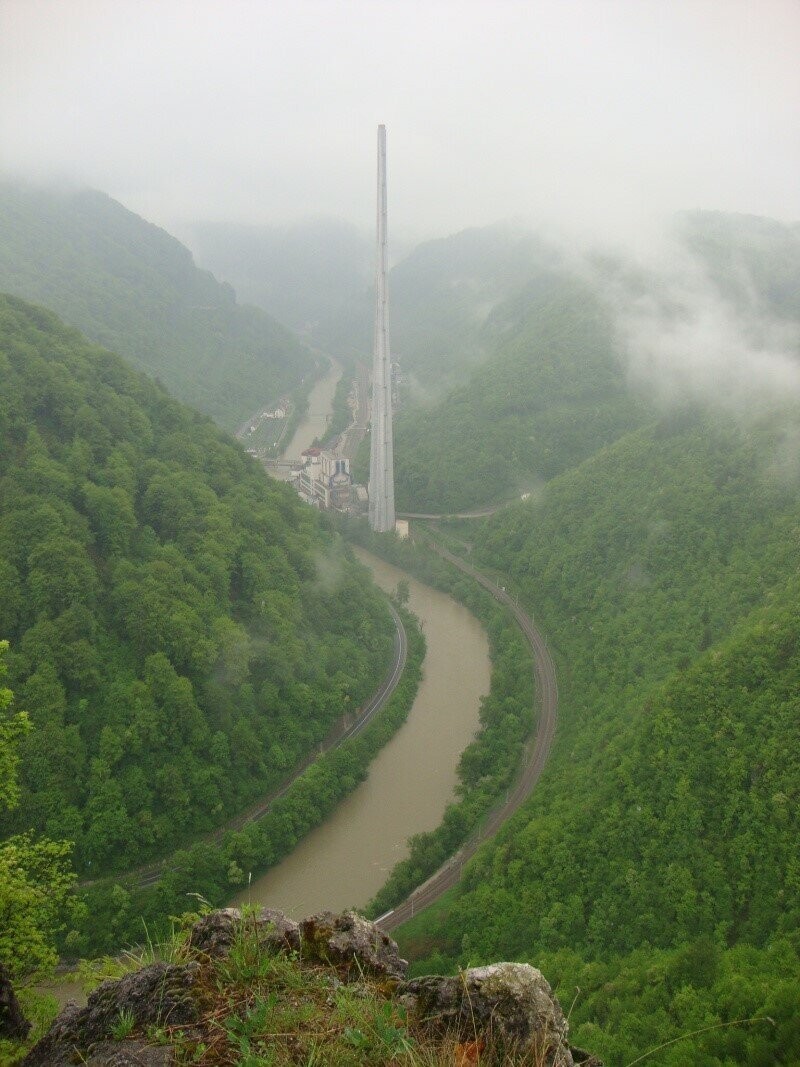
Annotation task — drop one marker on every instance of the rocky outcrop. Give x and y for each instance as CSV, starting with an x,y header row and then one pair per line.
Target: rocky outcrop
x,y
508,1006
505,1013
159,995
13,1023
215,934
350,941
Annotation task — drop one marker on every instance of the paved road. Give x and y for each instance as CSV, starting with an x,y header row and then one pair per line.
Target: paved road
x,y
152,873
535,756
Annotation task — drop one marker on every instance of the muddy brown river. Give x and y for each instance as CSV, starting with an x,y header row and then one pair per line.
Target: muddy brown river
x,y
315,421
348,858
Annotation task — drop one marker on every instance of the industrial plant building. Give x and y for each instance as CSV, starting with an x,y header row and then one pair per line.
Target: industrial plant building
x,y
325,480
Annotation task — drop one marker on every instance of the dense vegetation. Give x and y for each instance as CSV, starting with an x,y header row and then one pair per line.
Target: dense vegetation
x,y
661,842
552,394
655,867
36,878
444,295
318,277
122,910
182,628
132,287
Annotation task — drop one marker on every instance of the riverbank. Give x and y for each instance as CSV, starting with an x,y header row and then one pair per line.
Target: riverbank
x,y
312,422
490,768
411,781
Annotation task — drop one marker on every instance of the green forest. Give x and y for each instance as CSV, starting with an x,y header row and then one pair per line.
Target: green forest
x,y
131,287
534,379
662,838
552,393
182,629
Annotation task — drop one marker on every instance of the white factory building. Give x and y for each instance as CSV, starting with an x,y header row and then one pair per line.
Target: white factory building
x,y
325,480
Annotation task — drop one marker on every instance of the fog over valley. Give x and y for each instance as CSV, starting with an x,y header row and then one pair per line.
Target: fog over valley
x,y
597,116
431,555
592,125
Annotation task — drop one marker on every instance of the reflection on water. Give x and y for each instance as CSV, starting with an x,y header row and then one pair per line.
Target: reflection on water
x,y
347,859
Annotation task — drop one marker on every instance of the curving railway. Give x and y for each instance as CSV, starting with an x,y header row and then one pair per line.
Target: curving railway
x,y
152,873
535,756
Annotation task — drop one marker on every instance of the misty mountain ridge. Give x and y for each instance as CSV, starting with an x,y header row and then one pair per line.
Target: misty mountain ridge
x,y
318,277
747,255
132,287
304,273
592,345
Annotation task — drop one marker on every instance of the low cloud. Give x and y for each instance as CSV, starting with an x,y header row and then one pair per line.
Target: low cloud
x,y
685,340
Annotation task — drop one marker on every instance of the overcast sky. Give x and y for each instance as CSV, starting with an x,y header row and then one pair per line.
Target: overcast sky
x,y
592,113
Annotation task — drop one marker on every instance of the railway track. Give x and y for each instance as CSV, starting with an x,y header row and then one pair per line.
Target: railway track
x,y
535,756
152,873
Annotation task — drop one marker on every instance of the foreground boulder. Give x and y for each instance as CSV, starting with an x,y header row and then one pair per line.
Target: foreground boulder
x,y
215,934
350,941
159,995
329,969
506,1006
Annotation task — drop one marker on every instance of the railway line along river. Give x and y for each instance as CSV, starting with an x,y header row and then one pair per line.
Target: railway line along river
x,y
347,859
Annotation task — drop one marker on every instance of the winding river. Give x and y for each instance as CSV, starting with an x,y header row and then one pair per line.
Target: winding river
x,y
348,858
315,421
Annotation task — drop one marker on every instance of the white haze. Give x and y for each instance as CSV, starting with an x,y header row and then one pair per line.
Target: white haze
x,y
684,339
589,113
585,116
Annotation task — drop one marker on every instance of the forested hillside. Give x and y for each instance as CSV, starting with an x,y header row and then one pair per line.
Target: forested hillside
x,y
655,867
443,296
748,257
129,286
316,276
552,393
182,630
544,368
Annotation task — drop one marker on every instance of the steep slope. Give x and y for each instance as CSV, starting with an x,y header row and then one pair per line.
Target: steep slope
x,y
750,258
130,286
316,276
662,839
182,629
553,392
553,384
443,295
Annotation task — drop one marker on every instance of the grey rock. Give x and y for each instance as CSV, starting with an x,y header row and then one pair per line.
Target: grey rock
x,y
509,1005
130,1054
13,1023
162,994
214,934
350,941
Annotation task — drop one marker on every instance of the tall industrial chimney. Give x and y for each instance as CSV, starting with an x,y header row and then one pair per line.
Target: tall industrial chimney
x,y
381,460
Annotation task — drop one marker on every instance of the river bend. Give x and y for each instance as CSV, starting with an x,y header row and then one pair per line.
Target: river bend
x,y
346,860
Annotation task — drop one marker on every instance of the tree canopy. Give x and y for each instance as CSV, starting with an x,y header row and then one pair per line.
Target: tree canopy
x,y
183,629
130,286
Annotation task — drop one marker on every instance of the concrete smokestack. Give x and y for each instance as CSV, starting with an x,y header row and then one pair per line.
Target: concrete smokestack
x,y
381,460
